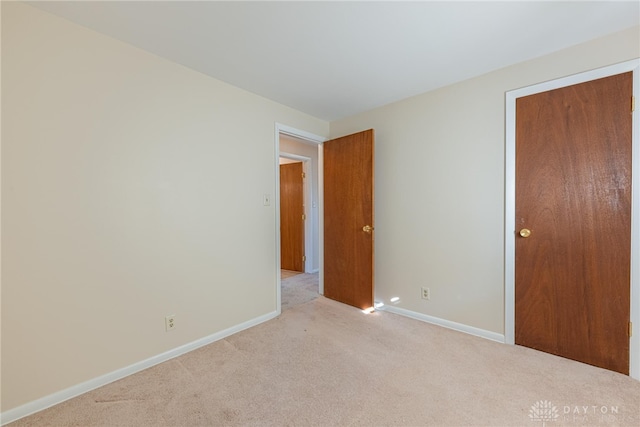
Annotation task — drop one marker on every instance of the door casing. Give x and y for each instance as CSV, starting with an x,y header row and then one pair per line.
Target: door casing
x,y
510,196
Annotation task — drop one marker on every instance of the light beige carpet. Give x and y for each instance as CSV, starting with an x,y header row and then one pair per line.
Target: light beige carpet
x,y
322,363
285,274
298,288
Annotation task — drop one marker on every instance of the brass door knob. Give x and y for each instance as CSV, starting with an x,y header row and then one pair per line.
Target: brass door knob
x,y
525,232
367,229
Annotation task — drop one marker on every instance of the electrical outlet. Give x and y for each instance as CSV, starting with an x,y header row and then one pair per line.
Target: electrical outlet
x,y
170,322
426,293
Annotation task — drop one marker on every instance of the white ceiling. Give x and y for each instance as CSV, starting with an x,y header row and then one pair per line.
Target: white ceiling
x,y
335,59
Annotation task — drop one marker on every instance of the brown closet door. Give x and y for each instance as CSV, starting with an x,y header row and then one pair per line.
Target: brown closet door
x,y
573,194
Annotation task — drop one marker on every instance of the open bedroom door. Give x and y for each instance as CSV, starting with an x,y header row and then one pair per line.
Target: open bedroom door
x,y
349,219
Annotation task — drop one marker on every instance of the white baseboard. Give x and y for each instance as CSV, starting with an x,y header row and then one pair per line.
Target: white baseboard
x,y
482,333
76,390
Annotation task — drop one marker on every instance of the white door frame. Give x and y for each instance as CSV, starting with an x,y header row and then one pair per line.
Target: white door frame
x,y
510,199
311,138
307,169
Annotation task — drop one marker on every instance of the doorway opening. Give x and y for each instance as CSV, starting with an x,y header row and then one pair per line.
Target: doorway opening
x,y
294,145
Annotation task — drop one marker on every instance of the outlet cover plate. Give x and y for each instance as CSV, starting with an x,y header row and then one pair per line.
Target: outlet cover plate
x,y
170,322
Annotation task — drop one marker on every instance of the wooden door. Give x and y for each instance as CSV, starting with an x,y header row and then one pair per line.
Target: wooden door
x,y
573,192
349,219
291,217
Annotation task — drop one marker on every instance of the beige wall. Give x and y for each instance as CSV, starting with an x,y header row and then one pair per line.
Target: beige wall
x,y
440,185
128,183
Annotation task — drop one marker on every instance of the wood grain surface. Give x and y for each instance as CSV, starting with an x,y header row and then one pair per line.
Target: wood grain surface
x,y
573,191
348,207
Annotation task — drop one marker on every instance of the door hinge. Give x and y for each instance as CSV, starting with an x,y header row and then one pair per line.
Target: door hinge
x,y
630,329
633,104
304,217
304,258
304,175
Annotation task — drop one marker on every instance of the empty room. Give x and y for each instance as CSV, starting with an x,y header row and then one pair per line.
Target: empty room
x,y
320,213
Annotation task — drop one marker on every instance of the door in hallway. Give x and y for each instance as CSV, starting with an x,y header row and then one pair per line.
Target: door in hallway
x,y
292,217
349,219
573,221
